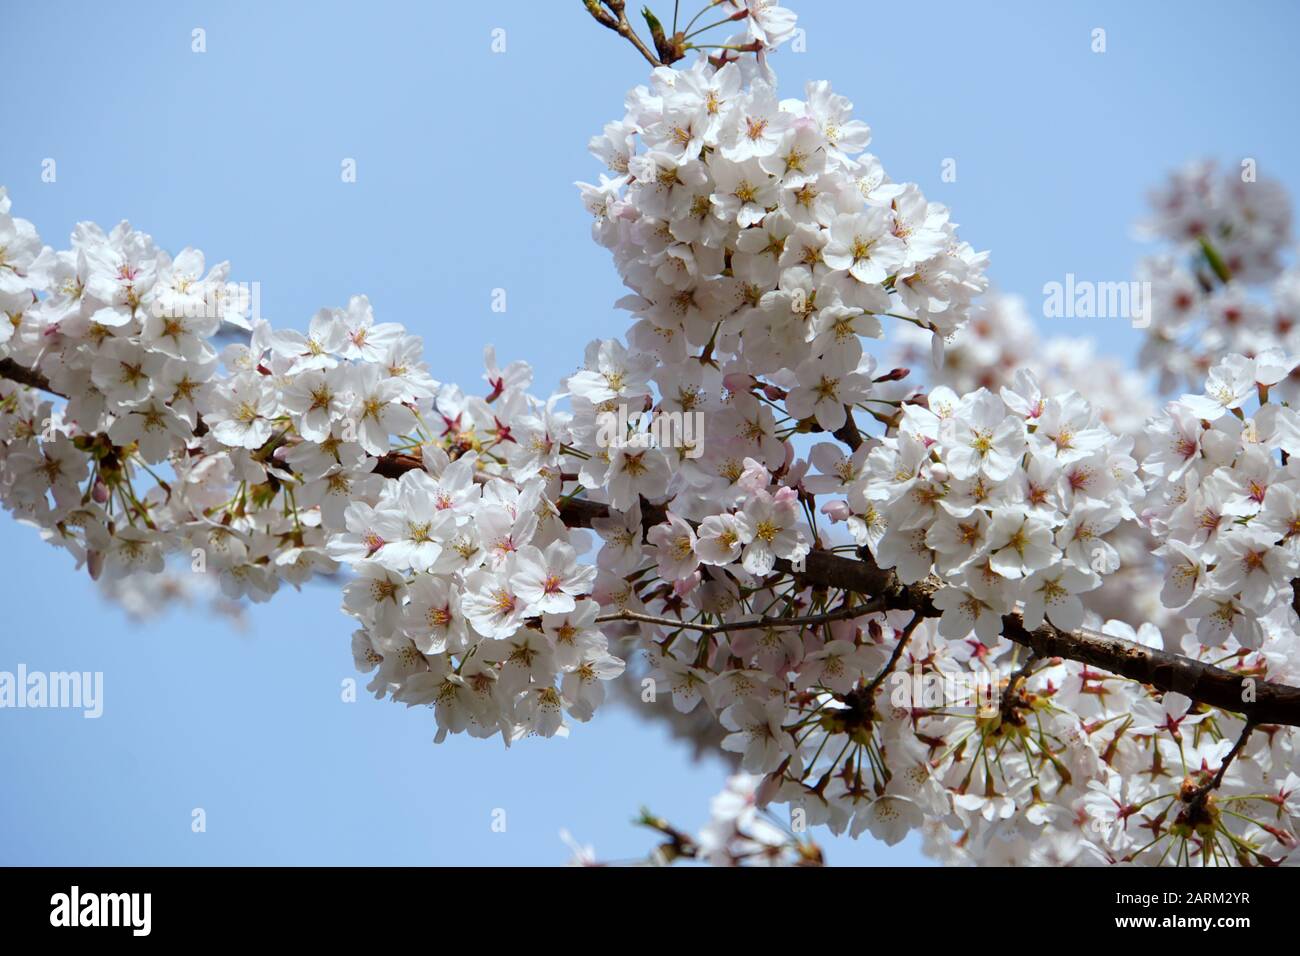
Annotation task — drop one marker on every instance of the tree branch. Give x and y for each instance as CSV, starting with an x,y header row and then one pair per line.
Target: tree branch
x,y
25,376
848,432
1217,780
904,639
1272,703
619,24
839,614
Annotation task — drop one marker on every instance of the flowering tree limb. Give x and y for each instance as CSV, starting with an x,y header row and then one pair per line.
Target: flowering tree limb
x,y
761,246
1263,701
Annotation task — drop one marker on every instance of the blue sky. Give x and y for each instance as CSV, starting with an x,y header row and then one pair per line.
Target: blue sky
x,y
465,160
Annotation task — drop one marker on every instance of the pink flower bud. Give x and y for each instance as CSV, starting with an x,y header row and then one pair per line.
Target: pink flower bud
x,y
738,381
755,477
786,496
685,586
837,511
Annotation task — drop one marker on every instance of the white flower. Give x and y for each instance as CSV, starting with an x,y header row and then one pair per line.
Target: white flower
x,y
861,243
548,581
364,340
316,398
984,438
674,543
1221,617
890,818
825,387
1019,544
240,411
964,612
325,339
719,540
156,428
756,126
1250,564
491,603
375,594
583,685
1184,575
757,734
635,473
1228,386
768,526
375,412
1051,593
573,633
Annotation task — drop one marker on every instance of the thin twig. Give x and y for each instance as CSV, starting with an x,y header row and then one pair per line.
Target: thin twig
x,y
903,640
1014,682
1232,754
839,614
619,24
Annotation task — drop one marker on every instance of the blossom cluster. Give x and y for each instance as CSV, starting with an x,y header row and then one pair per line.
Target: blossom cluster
x,y
756,234
1000,342
1008,498
257,465
1001,339
1225,504
1224,285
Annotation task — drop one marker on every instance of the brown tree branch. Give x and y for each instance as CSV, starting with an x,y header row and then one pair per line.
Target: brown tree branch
x,y
619,24
1217,780
848,432
1272,703
904,639
812,620
25,376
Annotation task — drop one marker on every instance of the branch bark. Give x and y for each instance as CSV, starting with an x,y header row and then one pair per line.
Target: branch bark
x,y
1272,703
25,376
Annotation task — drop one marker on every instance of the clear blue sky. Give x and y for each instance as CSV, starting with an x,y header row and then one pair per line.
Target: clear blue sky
x,y
465,160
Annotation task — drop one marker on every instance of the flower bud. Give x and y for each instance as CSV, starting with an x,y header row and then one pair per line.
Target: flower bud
x,y
738,381
837,510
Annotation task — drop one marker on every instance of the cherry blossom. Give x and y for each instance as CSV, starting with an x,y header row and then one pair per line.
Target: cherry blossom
x,y
845,578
